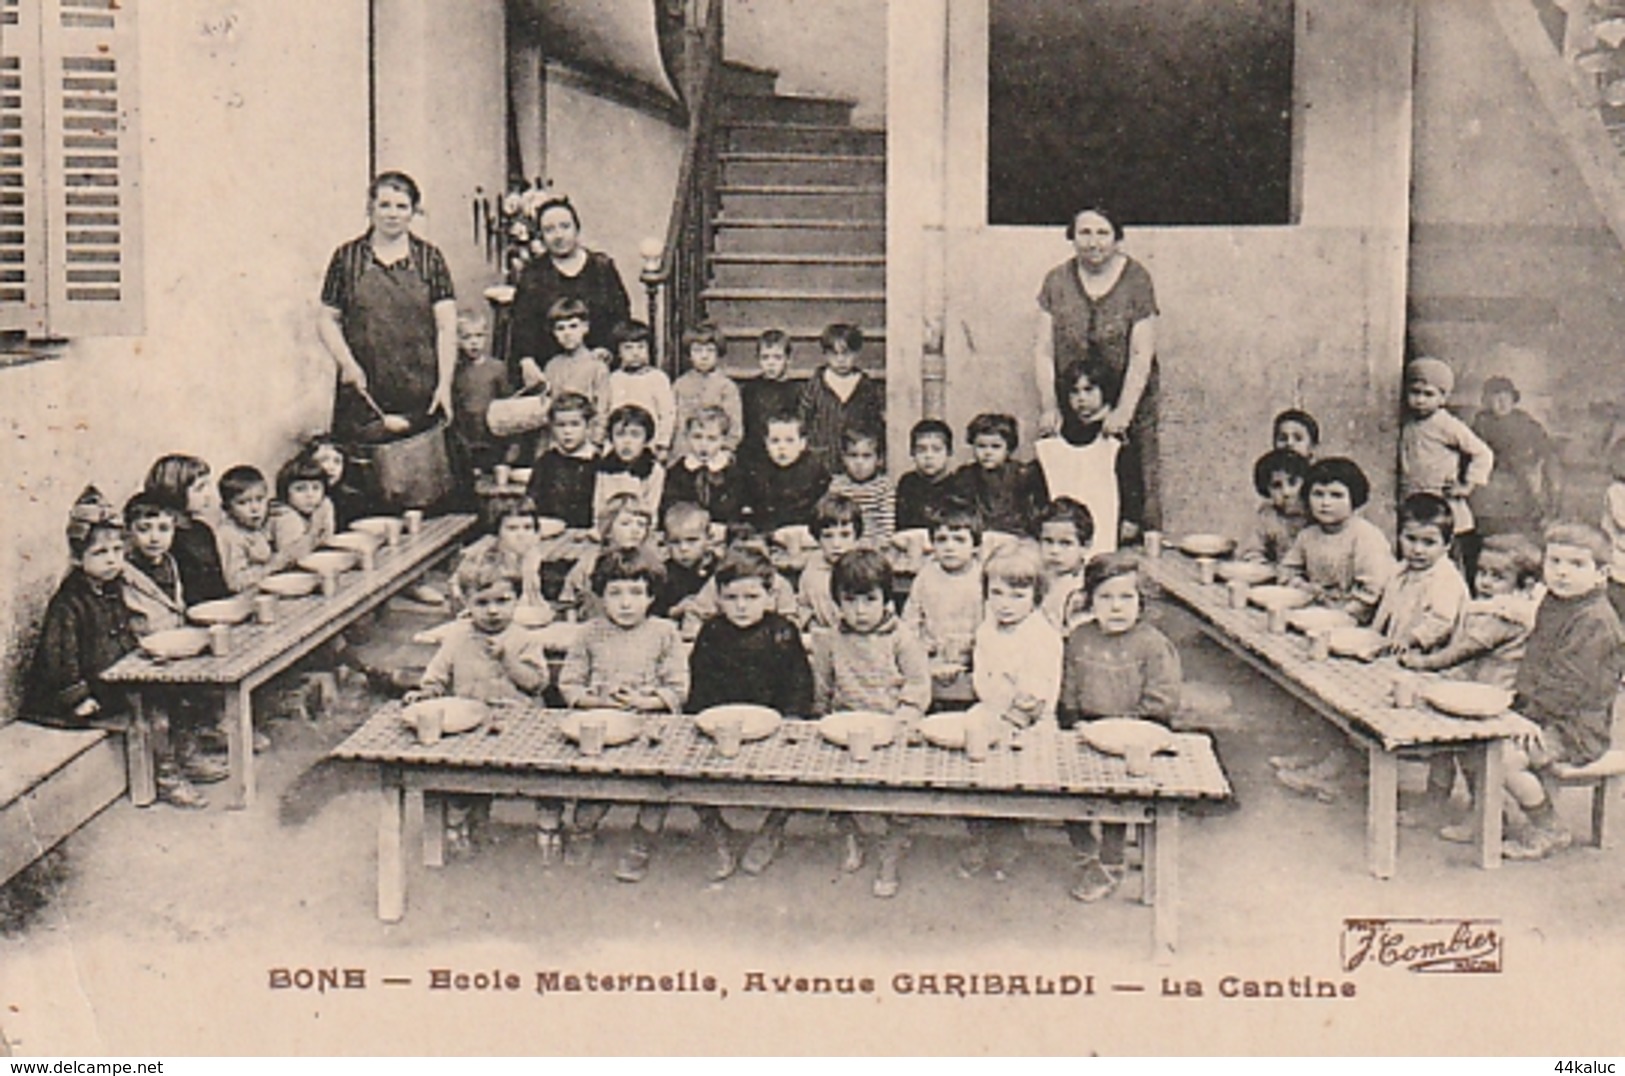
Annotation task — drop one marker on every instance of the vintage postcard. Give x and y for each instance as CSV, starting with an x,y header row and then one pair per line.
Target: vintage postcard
x,y
811,526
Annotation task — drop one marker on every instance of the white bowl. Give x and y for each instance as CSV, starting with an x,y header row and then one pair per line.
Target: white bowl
x,y
383,527
620,726
756,722
456,715
357,541
175,643
948,730
1318,618
225,611
328,561
837,728
1465,699
1206,545
1275,596
290,584
1361,644
1251,572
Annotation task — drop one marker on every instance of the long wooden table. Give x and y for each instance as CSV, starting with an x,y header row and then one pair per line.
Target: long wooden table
x,y
1045,774
259,652
1356,697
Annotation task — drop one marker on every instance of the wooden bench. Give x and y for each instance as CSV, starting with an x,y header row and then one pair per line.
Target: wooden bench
x,y
52,781
1606,779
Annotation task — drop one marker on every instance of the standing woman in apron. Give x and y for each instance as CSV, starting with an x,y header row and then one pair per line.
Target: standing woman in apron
x,y
389,319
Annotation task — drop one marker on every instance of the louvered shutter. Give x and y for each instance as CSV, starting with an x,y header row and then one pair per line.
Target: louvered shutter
x,y
92,167
22,199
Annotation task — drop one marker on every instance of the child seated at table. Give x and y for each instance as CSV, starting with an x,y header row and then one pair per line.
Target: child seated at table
x,y
624,660
247,554
750,654
1488,649
510,533
1115,665
706,603
928,486
628,465
783,490
152,578
1064,529
1278,476
707,474
88,627
871,662
690,561
1017,658
1566,685
1340,558
944,606
863,480
1297,432
564,478
838,525
702,385
185,485
626,526
345,489
302,517
577,368
1005,491
484,656
1422,604
635,381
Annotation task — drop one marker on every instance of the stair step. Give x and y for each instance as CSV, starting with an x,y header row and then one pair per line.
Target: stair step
x,y
802,138
744,80
52,781
800,272
739,349
802,169
787,108
801,203
800,237
794,310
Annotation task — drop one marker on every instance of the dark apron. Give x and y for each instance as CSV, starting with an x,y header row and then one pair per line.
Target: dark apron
x,y
390,328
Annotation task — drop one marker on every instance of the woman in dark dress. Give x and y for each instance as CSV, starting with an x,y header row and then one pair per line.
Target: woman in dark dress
x,y
1101,303
389,317
567,271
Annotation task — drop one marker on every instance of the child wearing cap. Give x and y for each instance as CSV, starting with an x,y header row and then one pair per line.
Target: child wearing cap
x,y
1438,452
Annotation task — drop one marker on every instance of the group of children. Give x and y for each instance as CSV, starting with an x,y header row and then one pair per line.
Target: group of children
x,y
1538,620
183,539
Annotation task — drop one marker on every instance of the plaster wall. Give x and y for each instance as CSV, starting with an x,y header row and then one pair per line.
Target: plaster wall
x,y
834,48
254,168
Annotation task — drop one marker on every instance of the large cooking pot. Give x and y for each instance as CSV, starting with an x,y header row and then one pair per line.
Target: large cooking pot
x,y
412,471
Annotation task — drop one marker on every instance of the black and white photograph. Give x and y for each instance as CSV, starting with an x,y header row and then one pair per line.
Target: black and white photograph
x,y
812,527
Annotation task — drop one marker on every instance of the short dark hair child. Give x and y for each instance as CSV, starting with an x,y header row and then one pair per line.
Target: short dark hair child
x,y
239,480
1109,566
743,562
143,506
834,510
840,332
632,415
1428,510
197,554
562,481
703,333
775,338
626,565
861,572
301,468
1279,461
853,436
1520,554
1001,425
1294,417
1068,511
629,332
503,506
1342,471
567,309
931,427
172,477
956,514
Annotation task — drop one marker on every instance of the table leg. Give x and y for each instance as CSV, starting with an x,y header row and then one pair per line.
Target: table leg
x,y
1164,853
1491,800
391,861
1382,812
139,764
434,830
237,714
1148,863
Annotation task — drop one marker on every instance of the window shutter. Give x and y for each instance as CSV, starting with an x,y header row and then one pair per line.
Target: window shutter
x,y
22,171
92,158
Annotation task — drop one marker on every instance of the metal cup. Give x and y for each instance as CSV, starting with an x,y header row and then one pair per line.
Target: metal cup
x,y
1153,544
1320,645
977,739
392,532
1405,691
330,584
593,731
219,639
1205,570
414,520
1277,624
503,473
730,737
264,609
431,725
1238,593
1138,762
861,742
369,559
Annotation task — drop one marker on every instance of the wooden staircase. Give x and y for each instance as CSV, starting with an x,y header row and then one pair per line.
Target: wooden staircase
x,y
799,237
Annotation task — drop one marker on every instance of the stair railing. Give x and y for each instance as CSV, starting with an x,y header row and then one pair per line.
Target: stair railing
x,y
680,276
